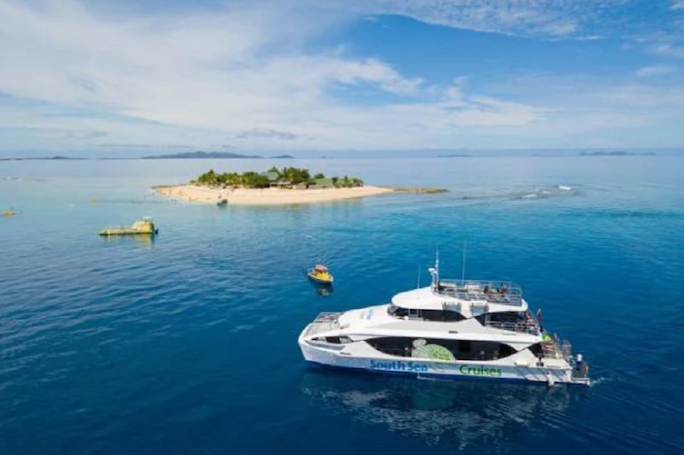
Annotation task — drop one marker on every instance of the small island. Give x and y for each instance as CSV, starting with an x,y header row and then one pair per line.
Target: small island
x,y
45,158
200,156
289,185
615,153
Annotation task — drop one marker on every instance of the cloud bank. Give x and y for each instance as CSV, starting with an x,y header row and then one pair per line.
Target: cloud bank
x,y
253,75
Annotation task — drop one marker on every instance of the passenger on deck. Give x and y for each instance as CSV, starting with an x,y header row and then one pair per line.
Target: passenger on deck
x,y
520,321
585,370
503,289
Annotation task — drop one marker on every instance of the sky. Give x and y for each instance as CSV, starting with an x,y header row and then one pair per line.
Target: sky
x,y
115,78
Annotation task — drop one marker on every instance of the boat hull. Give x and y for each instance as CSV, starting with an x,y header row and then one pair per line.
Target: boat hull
x,y
118,232
469,370
319,280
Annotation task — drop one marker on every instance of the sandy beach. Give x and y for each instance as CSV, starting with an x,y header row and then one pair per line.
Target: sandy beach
x,y
267,196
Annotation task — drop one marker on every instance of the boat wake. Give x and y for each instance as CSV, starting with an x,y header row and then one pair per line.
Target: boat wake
x,y
548,192
545,192
598,381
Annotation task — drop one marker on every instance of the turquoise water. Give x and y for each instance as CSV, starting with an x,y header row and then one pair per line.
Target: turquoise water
x,y
188,344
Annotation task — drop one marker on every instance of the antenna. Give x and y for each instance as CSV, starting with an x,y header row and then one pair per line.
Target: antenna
x,y
465,247
418,278
434,271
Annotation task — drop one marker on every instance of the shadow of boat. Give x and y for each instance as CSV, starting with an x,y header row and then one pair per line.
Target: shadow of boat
x,y
455,413
321,289
141,240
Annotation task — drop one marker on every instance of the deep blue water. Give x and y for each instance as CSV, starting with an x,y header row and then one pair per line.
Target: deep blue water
x,y
187,345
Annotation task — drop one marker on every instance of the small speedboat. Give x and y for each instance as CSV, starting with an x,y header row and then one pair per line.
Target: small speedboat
x,y
320,274
9,213
222,203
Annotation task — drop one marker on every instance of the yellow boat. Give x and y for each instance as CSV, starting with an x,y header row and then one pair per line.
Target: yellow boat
x,y
8,213
320,274
141,227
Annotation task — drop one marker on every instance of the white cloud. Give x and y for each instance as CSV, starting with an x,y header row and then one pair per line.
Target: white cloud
x,y
677,5
545,18
668,49
590,38
218,75
657,70
248,76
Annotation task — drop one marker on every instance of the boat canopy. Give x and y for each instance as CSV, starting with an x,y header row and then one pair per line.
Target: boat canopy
x,y
321,268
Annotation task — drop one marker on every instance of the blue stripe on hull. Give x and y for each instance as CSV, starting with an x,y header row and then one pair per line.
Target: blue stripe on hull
x,y
451,377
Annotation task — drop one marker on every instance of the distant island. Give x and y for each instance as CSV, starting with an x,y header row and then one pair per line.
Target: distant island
x,y
289,185
199,156
616,153
44,158
283,157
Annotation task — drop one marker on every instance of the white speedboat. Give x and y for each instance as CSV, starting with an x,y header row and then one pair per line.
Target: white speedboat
x,y
450,329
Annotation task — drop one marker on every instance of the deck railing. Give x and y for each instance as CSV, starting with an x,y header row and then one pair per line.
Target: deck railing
x,y
520,327
501,292
554,349
324,322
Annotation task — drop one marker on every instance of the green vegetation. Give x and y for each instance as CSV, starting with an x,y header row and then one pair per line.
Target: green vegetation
x,y
287,177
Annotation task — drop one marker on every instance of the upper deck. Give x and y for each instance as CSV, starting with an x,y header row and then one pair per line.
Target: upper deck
x,y
499,292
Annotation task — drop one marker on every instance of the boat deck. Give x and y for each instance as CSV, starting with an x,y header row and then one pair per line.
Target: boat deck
x,y
324,322
500,292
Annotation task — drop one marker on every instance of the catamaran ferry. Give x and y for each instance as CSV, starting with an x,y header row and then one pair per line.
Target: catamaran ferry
x,y
451,329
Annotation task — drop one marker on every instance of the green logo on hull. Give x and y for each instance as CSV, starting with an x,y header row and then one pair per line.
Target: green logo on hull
x,y
422,350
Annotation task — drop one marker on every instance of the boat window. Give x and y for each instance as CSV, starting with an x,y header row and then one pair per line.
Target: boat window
x,y
439,315
460,349
500,316
397,346
489,350
536,349
332,340
397,311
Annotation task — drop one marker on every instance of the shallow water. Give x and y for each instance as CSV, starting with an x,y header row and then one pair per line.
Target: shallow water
x,y
187,344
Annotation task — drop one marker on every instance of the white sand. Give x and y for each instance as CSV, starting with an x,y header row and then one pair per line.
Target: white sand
x,y
267,196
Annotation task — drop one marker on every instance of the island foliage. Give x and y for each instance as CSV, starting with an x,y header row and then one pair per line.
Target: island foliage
x,y
287,177
199,155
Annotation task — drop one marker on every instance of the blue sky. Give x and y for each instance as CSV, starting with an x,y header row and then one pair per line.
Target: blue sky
x,y
119,78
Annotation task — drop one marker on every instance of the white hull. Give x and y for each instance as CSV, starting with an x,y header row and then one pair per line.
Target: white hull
x,y
506,370
466,329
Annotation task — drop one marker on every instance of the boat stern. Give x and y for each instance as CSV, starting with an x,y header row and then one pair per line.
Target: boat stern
x,y
580,371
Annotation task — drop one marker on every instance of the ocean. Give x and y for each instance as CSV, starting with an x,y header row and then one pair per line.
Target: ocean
x,y
187,344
